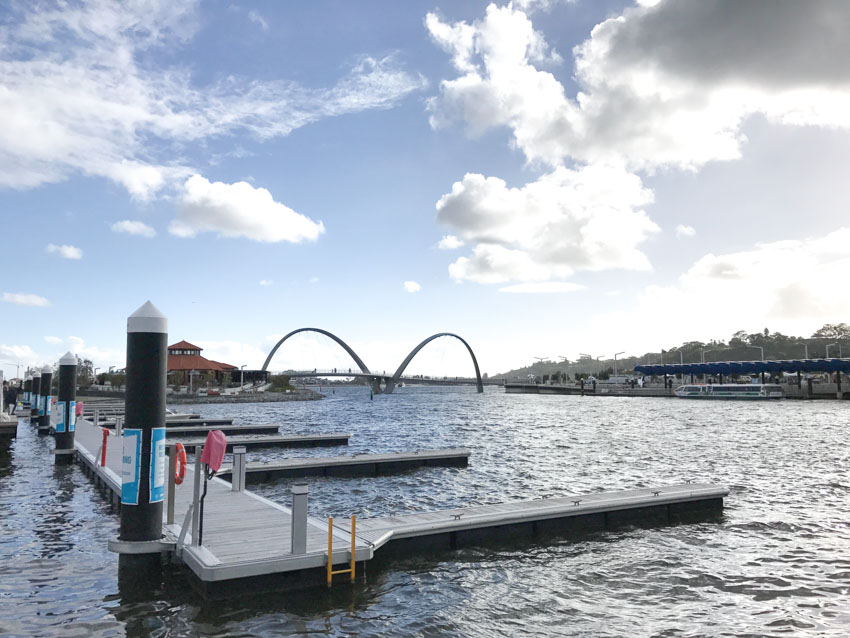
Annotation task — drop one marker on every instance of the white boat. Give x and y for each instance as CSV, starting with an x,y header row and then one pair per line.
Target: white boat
x,y
730,391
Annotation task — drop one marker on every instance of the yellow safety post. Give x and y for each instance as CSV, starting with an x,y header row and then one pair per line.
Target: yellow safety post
x,y
353,521
330,550
352,563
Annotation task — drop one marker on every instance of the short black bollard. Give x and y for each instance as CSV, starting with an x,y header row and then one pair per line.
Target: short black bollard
x,y
143,458
35,399
44,408
66,409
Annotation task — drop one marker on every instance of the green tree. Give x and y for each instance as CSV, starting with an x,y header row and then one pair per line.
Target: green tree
x,y
833,331
85,373
279,383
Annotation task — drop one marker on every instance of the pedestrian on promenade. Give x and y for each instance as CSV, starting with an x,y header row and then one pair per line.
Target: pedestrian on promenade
x,y
10,396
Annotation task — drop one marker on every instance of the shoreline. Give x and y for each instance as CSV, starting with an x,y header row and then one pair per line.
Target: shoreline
x,y
260,397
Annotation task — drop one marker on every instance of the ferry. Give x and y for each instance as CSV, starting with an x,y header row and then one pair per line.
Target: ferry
x,y
730,391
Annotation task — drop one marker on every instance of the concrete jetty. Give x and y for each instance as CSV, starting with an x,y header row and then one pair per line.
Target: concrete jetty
x,y
360,464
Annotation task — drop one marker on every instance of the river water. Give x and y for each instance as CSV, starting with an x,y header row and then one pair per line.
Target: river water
x,y
776,563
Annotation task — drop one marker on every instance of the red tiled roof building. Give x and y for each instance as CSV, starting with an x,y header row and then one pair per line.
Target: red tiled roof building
x,y
184,357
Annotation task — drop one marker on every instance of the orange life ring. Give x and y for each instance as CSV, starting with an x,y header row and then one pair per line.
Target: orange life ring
x,y
180,469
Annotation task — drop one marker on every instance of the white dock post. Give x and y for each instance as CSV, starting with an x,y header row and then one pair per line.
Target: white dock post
x,y
299,518
237,476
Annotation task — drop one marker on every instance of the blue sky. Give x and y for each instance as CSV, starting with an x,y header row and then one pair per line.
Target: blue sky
x,y
543,178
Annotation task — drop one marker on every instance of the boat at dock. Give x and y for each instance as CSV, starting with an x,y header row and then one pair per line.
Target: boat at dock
x,y
730,391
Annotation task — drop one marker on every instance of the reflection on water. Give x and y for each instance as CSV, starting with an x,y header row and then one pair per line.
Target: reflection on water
x,y
775,563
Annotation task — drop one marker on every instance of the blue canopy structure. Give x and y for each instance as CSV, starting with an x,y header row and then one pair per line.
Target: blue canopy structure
x,y
748,367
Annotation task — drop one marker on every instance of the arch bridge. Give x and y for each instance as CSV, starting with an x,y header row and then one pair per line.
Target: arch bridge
x,y
380,383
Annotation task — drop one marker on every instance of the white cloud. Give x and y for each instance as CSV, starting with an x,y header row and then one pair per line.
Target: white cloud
x,y
53,340
66,251
239,210
83,93
412,286
101,357
543,287
235,353
683,230
313,280
266,282
787,286
663,84
450,242
256,18
18,354
584,219
23,299
133,228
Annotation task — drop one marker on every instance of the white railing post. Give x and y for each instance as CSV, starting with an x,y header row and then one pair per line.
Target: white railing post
x,y
237,473
299,519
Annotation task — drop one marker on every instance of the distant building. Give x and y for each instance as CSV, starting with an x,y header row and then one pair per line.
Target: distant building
x,y
184,357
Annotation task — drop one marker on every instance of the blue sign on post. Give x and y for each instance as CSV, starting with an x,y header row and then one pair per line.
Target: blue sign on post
x,y
130,461
60,416
157,476
72,416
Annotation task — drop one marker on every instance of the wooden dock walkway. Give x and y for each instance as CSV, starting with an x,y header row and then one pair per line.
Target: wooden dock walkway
x,y
282,440
454,528
246,538
228,430
360,464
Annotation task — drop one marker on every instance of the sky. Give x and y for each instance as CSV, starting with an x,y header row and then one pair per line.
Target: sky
x,y
543,178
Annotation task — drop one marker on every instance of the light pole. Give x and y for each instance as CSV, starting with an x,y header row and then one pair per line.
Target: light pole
x,y
615,361
242,377
17,368
759,348
94,374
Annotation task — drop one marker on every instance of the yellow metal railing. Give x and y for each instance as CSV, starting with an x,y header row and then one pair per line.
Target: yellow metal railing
x,y
331,571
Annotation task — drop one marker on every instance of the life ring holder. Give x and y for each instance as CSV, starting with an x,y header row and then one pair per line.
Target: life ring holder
x,y
180,468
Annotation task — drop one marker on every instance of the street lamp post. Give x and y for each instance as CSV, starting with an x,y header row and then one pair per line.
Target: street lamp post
x,y
615,361
94,374
242,377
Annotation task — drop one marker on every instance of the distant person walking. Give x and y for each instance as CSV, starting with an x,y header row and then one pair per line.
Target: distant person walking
x,y
10,396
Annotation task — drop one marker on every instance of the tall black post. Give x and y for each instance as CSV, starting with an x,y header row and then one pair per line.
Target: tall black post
x,y
27,388
44,408
66,408
143,462
35,399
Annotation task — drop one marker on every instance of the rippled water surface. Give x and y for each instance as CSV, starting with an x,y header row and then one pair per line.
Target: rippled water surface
x,y
776,563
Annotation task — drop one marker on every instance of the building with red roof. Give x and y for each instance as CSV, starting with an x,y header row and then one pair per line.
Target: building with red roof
x,y
183,357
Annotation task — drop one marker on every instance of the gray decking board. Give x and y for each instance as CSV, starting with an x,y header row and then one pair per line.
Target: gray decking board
x,y
377,463
246,535
260,440
482,516
229,430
